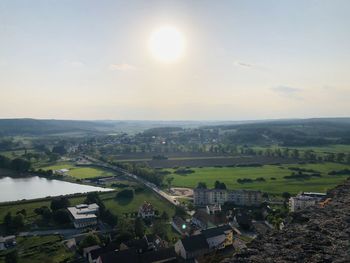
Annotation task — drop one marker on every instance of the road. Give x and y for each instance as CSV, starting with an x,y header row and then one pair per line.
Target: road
x,y
153,187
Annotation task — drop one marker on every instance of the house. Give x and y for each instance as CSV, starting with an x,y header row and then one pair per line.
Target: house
x,y
61,172
146,210
7,242
132,256
167,255
219,237
304,200
154,242
203,197
208,240
181,226
203,220
192,247
84,215
87,250
128,255
93,255
213,209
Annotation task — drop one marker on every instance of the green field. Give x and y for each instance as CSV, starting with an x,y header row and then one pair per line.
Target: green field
x,y
40,249
29,206
229,176
117,206
120,206
322,150
80,172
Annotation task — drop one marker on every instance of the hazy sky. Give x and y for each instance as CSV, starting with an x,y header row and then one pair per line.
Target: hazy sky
x,y
81,59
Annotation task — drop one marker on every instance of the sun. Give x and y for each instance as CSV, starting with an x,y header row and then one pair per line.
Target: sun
x,y
167,44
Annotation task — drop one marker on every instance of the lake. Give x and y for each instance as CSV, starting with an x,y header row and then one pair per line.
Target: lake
x,y
14,189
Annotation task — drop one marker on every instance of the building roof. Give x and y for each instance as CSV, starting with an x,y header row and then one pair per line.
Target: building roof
x,y
163,255
146,207
216,231
194,243
107,249
204,217
7,238
87,250
83,211
129,255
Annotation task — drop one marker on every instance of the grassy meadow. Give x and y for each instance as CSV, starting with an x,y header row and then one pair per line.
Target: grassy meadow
x,y
48,249
80,172
229,176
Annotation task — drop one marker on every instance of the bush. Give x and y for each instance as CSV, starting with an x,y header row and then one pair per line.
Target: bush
x,y
184,171
126,193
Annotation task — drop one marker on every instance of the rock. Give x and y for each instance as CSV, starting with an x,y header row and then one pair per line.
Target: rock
x,y
313,235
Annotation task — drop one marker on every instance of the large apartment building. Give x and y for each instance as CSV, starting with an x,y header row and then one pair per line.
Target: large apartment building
x,y
305,200
204,197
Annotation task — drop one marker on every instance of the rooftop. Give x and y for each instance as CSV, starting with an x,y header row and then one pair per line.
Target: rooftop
x,y
83,211
194,243
216,231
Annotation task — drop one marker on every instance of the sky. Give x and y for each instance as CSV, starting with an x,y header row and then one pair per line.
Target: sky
x,y
89,59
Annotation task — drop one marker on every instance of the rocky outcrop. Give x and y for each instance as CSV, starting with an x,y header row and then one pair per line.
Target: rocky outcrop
x,y
312,235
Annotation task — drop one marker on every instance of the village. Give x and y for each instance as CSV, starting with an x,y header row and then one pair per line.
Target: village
x,y
219,223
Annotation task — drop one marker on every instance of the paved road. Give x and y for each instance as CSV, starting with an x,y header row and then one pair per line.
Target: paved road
x,y
64,232
150,185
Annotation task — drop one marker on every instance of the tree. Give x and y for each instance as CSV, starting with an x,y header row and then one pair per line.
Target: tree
x,y
59,203
286,195
126,193
179,211
201,185
108,217
18,222
11,257
139,227
159,228
164,216
20,165
169,180
295,154
340,157
61,216
89,240
8,220
59,149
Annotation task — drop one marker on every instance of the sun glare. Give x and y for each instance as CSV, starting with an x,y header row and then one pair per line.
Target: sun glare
x,y
167,44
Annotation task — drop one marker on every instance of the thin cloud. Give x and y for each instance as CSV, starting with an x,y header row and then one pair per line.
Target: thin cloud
x,y
244,64
121,67
74,63
287,91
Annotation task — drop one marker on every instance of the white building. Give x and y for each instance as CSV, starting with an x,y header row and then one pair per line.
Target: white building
x,y
146,210
203,197
7,242
84,215
304,200
61,172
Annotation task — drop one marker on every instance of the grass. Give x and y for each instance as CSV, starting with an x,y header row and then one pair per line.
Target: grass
x,y
29,206
117,206
80,172
48,249
121,206
229,176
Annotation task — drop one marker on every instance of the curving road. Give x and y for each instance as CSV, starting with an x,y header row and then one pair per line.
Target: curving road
x,y
150,185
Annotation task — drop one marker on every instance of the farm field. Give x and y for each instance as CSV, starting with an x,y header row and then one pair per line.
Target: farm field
x,y
229,176
40,249
336,148
120,206
80,172
29,206
117,206
214,161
